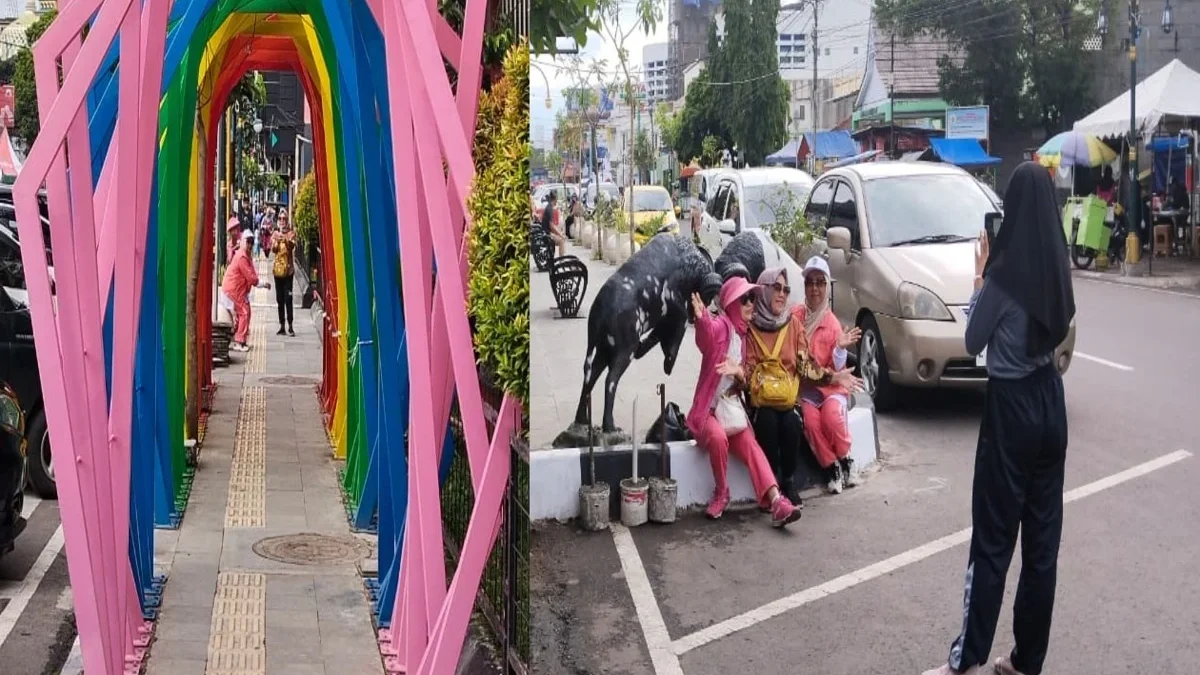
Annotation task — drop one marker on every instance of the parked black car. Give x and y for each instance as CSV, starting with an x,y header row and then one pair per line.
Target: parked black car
x,y
18,359
12,468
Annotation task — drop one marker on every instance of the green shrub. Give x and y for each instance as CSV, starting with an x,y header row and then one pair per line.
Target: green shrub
x,y
499,235
790,228
305,215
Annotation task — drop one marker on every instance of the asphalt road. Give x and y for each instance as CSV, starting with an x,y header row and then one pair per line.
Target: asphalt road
x,y
37,619
1127,600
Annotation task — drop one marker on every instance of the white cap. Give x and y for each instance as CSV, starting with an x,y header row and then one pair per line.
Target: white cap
x,y
247,235
817,264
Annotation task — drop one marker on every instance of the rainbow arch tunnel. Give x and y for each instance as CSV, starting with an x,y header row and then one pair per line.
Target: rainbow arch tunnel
x,y
365,74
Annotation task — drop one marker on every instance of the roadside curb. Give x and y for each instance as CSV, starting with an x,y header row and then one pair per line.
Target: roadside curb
x,y
1189,281
556,474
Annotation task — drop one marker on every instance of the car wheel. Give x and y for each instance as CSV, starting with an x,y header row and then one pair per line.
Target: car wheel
x,y
41,468
873,367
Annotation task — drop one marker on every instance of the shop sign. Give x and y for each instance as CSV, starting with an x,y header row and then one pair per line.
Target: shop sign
x,y
970,122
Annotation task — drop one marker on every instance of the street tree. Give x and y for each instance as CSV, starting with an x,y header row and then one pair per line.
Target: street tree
x,y
552,19
27,123
750,61
643,155
1022,58
617,31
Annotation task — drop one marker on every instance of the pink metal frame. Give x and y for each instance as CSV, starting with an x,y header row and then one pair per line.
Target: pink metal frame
x,y
430,124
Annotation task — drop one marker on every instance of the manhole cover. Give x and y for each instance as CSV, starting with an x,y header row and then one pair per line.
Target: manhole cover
x,y
311,549
289,381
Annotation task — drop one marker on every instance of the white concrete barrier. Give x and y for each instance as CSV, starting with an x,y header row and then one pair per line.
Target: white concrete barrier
x,y
555,475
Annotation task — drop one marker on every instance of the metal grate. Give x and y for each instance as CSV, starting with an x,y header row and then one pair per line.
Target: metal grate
x,y
1093,44
504,591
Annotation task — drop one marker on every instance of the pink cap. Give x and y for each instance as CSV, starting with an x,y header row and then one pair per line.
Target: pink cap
x,y
733,290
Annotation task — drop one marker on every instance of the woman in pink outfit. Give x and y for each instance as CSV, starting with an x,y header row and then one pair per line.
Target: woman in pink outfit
x,y
240,279
717,418
823,406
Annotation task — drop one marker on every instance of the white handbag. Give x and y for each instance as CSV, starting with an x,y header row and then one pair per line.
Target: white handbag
x,y
731,415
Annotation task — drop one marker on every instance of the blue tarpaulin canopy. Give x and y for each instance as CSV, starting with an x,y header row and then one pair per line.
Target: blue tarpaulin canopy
x,y
966,152
785,156
828,145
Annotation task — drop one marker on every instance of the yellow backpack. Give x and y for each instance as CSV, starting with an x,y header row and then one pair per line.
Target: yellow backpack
x,y
771,385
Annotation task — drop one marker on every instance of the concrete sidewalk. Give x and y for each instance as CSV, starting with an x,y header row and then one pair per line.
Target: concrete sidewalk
x,y
233,604
1181,274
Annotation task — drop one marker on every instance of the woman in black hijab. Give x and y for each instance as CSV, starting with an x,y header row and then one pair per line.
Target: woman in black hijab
x,y
1020,312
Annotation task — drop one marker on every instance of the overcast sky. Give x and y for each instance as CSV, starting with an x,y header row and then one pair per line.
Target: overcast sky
x,y
541,120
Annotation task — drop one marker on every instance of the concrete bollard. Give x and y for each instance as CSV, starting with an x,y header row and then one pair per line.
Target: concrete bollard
x,y
633,501
593,506
664,499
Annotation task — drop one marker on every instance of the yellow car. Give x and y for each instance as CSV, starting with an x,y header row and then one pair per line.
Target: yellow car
x,y
653,212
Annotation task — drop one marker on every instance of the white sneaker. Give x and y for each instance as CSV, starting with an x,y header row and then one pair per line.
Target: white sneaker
x,y
238,347
1004,666
850,477
836,480
947,670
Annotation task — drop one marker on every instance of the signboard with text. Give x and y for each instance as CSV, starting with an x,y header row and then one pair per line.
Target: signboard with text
x,y
969,122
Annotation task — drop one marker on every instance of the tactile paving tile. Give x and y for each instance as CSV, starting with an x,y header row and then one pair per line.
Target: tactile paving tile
x,y
247,501
237,643
256,360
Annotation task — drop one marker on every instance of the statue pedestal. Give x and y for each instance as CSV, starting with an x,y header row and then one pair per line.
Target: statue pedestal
x,y
576,436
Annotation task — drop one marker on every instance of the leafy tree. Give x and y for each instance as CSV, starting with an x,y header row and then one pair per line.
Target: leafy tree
x,y
710,151
27,123
1020,57
554,163
743,68
643,154
552,19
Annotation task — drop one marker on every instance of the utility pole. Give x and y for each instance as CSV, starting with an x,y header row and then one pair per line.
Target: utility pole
x,y
892,100
816,108
1133,246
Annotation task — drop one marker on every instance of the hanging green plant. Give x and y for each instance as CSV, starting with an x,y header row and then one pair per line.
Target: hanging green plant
x,y
499,235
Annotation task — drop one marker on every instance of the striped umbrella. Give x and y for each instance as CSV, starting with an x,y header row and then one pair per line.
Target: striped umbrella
x,y
1072,148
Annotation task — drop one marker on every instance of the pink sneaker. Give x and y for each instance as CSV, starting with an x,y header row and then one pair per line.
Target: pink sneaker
x,y
716,505
783,512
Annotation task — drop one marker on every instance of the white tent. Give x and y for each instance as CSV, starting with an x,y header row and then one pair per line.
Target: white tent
x,y
1173,91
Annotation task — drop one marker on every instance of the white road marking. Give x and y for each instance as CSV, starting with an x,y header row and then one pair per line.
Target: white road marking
x,y
770,610
74,664
654,629
33,579
1138,287
1104,362
31,503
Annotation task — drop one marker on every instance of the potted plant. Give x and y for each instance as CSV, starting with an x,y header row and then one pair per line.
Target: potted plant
x,y
593,495
791,229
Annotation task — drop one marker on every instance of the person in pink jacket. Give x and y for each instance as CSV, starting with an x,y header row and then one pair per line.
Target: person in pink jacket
x,y
240,279
717,419
824,406
232,239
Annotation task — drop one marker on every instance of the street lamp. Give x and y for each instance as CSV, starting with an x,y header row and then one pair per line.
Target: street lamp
x,y
1168,20
258,126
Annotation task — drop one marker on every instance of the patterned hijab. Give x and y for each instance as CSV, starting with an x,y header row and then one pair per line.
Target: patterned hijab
x,y
765,319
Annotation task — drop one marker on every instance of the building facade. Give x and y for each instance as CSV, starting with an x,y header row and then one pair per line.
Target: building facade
x,y
656,71
687,41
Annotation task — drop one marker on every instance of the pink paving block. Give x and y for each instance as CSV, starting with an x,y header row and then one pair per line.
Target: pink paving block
x,y
392,665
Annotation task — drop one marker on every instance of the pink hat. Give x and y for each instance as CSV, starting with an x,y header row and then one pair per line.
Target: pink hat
x,y
233,223
733,290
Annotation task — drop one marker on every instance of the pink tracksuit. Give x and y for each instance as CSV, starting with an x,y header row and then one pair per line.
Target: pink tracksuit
x,y
825,422
712,338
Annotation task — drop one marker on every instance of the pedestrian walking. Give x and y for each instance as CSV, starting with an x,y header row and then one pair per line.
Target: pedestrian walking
x,y
777,360
284,270
717,419
1020,312
240,279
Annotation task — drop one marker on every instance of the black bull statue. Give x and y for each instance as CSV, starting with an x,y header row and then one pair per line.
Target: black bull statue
x,y
646,303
